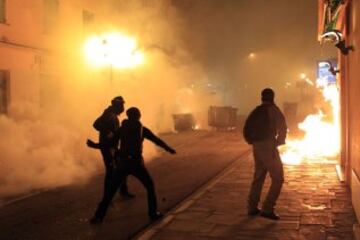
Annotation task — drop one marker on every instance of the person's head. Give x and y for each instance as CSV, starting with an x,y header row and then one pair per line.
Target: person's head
x,y
118,104
267,95
133,113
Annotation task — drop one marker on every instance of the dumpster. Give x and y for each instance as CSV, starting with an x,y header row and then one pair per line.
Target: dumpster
x,y
183,122
222,117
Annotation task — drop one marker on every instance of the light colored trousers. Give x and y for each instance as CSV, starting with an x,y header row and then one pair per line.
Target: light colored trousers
x,y
267,160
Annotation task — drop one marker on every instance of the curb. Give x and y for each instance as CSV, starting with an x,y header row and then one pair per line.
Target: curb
x,y
155,227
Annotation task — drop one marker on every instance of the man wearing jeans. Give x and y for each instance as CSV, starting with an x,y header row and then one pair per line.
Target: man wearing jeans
x,y
266,156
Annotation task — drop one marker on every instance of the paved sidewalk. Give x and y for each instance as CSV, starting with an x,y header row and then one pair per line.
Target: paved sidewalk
x,y
313,205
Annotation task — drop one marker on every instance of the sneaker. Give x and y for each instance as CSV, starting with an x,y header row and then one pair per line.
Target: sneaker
x,y
155,216
95,220
270,215
253,212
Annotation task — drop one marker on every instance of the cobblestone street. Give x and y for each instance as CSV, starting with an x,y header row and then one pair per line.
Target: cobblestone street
x,y
313,205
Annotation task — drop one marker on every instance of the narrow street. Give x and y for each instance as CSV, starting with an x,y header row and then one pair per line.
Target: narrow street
x,y
313,205
207,77
63,213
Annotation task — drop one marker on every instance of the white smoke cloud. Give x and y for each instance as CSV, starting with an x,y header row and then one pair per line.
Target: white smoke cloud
x,y
41,154
42,144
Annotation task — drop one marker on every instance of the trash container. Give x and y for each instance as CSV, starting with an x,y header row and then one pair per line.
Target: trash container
x,y
222,117
184,122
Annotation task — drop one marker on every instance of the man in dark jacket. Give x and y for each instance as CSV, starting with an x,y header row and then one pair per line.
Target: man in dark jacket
x,y
130,162
266,155
108,125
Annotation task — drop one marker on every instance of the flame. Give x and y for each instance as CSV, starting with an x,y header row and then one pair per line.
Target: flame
x,y
322,137
113,49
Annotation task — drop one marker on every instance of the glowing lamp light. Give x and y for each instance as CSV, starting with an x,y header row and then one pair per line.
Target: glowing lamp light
x,y
113,49
252,55
308,81
303,76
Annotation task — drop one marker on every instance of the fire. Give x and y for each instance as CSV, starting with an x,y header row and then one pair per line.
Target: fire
x,y
322,137
113,49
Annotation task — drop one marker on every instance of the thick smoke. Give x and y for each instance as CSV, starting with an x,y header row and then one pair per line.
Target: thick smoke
x,y
43,141
246,46
40,154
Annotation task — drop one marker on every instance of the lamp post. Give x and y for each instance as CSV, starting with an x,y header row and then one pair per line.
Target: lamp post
x,y
106,56
114,50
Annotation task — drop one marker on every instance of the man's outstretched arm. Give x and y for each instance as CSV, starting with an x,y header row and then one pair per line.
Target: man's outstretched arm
x,y
91,144
153,138
112,139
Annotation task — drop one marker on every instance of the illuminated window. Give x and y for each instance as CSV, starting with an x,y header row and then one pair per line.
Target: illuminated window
x,y
51,10
88,17
2,11
4,91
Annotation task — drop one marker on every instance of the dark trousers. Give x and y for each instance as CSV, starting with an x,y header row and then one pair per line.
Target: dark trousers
x,y
139,171
109,171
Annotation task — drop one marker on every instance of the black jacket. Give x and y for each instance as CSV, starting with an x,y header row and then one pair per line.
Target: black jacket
x,y
108,126
132,137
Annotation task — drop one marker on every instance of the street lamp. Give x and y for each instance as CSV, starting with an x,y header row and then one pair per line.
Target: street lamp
x,y
252,56
304,77
114,50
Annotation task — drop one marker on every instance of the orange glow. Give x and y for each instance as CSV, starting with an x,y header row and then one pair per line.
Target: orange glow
x,y
252,55
322,138
113,49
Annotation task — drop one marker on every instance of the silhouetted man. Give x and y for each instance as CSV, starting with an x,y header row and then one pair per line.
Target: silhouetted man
x,y
266,129
130,162
108,125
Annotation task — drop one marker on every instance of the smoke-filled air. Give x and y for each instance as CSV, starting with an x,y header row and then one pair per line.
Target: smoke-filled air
x,y
42,144
163,56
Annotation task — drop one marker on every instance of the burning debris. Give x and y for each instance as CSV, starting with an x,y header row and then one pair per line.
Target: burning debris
x,y
321,140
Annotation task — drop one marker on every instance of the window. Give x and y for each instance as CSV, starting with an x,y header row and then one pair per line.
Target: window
x,y
88,17
4,91
2,11
51,10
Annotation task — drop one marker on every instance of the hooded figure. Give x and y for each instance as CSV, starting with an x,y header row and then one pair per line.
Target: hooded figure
x,y
130,162
108,126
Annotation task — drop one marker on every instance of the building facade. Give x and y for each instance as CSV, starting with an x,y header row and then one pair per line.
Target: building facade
x,y
343,17
21,50
30,35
